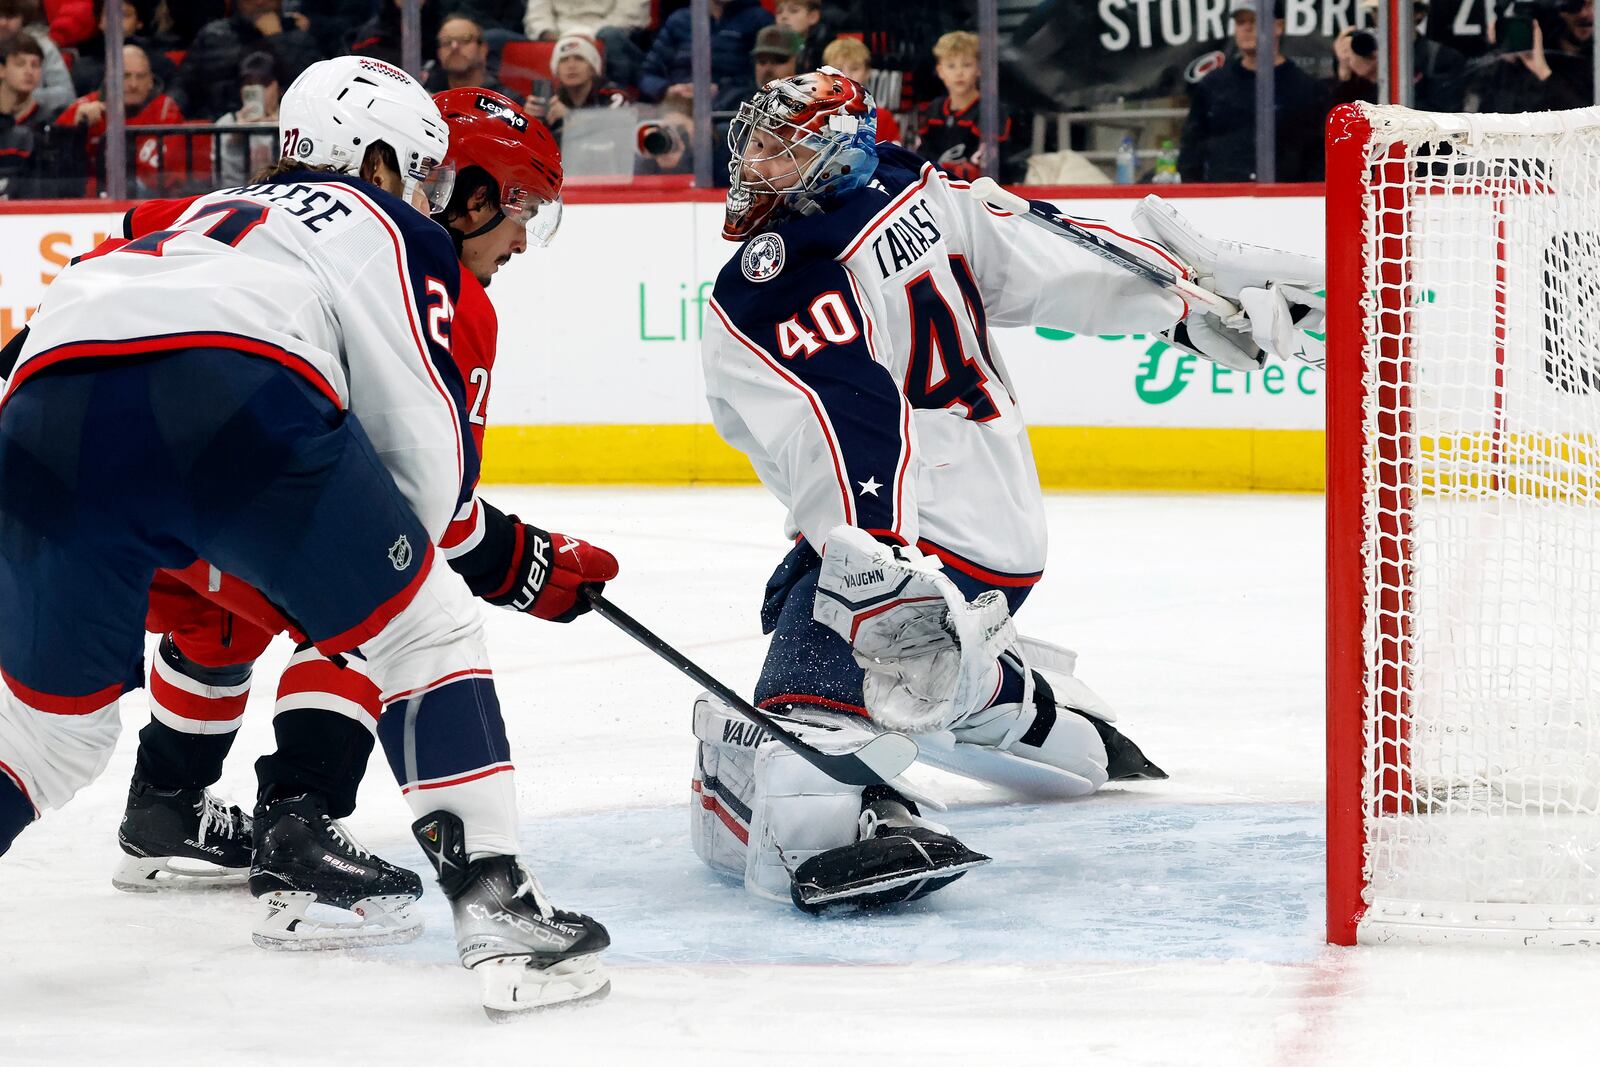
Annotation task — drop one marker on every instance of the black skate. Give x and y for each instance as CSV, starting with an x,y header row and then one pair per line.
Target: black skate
x,y
899,858
305,859
1124,761
529,955
180,839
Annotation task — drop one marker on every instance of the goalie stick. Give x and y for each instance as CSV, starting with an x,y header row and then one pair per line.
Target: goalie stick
x,y
874,763
988,190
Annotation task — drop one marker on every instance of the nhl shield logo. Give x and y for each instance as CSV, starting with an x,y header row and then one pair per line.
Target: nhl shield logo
x,y
400,553
762,258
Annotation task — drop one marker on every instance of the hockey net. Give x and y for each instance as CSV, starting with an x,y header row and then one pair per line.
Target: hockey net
x,y
1464,526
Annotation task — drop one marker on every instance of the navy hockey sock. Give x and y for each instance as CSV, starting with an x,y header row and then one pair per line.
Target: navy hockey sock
x,y
170,759
16,812
319,752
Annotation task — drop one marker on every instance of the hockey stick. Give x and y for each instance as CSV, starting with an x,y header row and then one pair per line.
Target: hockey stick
x,y
874,763
988,190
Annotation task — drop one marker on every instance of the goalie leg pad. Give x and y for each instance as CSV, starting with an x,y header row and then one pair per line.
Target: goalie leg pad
x,y
757,810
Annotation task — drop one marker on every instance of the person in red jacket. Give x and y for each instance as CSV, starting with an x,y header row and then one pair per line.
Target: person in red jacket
x,y
158,165
327,714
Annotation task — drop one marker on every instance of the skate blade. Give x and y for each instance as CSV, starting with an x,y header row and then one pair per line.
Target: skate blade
x,y
944,875
512,988
158,874
288,926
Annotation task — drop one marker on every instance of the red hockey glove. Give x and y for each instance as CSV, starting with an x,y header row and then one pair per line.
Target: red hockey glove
x,y
548,572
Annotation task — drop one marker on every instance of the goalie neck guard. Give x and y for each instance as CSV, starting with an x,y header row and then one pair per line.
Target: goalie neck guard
x,y
798,142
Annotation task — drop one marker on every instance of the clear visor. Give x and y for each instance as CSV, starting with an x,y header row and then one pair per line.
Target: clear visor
x,y
438,185
541,218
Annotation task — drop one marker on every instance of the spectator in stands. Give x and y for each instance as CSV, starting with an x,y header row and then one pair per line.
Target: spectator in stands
x,y
1355,74
89,70
576,68
210,75
21,117
667,69
667,145
851,58
241,155
805,18
462,58
379,36
185,18
157,166
1218,143
901,35
55,85
948,132
621,26
1555,74
776,55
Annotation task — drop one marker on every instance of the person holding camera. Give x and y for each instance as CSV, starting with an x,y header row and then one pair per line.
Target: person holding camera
x,y
1542,61
243,154
577,67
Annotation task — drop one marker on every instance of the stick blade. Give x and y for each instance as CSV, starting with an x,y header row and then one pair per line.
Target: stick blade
x,y
888,754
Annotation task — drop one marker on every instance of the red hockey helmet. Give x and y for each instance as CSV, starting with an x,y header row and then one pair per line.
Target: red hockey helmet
x,y
489,130
798,139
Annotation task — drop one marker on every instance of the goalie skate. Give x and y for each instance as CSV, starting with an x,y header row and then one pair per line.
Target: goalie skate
x,y
322,890
182,839
529,955
899,858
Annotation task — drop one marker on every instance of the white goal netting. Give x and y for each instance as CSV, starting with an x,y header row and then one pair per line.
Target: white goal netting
x,y
1482,503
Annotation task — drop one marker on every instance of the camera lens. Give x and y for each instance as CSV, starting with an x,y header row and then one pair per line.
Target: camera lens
x,y
655,141
1364,43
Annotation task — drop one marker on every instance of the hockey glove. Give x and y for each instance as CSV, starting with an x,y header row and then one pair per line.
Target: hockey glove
x,y
519,566
1275,290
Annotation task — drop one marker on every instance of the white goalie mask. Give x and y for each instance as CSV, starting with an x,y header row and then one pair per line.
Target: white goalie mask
x,y
337,107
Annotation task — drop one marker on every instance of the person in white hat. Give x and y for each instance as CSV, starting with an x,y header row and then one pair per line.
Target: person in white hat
x,y
577,70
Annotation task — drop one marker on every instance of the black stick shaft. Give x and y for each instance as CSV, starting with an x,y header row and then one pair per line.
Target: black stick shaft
x,y
843,767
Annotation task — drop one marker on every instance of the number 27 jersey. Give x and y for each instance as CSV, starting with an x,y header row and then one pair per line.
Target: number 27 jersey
x,y
342,284
849,355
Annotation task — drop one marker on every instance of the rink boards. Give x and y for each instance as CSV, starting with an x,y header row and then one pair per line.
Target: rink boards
x,y
598,378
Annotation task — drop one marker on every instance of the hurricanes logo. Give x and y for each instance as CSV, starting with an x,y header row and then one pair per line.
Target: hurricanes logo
x,y
1147,384
400,553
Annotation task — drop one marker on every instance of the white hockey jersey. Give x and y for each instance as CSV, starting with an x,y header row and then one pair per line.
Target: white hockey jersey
x,y
849,355
339,282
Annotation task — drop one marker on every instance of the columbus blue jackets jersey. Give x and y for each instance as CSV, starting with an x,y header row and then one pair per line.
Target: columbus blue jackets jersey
x,y
849,354
341,283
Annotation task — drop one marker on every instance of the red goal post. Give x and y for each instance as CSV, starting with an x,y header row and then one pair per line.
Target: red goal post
x,y
1463,527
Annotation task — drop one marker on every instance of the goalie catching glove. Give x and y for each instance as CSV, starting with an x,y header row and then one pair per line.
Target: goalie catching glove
x,y
1275,291
517,565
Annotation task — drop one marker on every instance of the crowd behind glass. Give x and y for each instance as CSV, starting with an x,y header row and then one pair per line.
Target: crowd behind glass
x,y
1110,99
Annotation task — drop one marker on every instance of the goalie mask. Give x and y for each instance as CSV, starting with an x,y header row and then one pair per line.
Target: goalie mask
x,y
797,142
490,131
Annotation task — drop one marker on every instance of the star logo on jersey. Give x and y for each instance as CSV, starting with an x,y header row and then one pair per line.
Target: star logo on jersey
x,y
400,553
762,258
869,487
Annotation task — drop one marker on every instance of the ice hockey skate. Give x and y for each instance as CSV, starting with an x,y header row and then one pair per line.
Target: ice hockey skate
x,y
321,889
181,839
900,857
529,955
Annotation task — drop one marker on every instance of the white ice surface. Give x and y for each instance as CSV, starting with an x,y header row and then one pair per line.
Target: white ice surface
x,y
1166,923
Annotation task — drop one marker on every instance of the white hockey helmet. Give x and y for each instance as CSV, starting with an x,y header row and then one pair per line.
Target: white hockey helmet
x,y
337,107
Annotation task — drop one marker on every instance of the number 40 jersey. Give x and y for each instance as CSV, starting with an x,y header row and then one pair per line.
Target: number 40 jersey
x,y
849,355
339,282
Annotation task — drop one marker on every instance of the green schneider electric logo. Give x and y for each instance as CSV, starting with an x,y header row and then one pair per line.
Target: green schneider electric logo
x,y
1165,372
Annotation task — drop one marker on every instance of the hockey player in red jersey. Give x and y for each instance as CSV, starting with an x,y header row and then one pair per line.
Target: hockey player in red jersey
x,y
848,353
302,428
